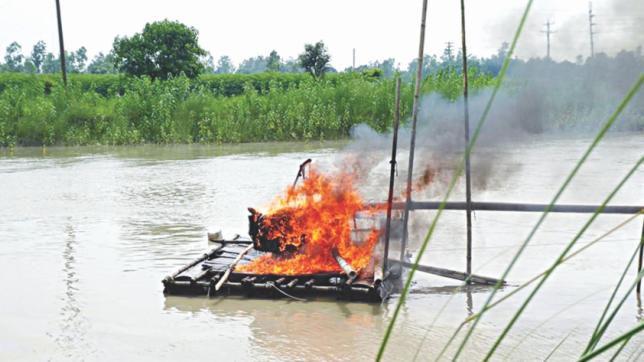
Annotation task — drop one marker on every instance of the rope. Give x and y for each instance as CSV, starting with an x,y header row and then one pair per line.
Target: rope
x,y
286,294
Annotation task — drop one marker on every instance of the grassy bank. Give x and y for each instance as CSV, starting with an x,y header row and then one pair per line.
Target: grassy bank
x,y
112,109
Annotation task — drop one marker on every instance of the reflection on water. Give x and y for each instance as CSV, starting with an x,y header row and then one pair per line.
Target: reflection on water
x,y
124,217
470,303
289,330
73,325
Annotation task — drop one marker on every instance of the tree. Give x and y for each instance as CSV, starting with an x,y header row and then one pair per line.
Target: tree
x,y
291,66
315,59
274,62
253,65
13,58
38,55
448,59
75,61
102,64
79,60
50,64
164,48
29,67
387,66
430,64
208,63
493,64
224,65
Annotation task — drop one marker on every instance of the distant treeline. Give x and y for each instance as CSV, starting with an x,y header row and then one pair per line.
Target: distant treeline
x,y
35,109
39,60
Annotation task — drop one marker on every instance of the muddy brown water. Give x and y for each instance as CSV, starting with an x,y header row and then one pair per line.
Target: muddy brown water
x,y
87,234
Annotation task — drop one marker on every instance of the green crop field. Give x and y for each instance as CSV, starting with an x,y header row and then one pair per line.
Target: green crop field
x,y
115,109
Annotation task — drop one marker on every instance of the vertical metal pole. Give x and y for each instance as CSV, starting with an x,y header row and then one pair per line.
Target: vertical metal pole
x,y
414,119
466,111
392,173
639,264
61,43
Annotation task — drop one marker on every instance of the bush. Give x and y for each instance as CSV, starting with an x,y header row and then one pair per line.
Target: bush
x,y
113,109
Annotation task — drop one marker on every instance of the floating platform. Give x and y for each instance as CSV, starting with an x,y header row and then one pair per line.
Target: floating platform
x,y
201,276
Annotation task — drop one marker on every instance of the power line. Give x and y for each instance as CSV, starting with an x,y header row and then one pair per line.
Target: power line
x,y
548,31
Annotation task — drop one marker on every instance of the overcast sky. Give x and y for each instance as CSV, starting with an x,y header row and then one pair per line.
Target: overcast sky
x,y
377,29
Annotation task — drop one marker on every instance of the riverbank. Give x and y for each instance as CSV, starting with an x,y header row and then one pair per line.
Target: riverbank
x,y
36,110
113,110
172,151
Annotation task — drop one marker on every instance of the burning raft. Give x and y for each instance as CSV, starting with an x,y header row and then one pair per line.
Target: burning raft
x,y
308,244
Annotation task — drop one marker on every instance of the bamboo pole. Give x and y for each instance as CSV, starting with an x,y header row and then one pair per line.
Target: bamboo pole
x,y
392,173
61,44
232,265
466,116
414,119
639,264
519,207
346,267
452,274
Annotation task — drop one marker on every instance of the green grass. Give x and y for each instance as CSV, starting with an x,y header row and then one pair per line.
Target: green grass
x,y
563,254
535,278
599,332
620,339
112,109
602,132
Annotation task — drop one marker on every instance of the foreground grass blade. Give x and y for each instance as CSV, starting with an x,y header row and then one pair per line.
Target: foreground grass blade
x,y
637,357
563,187
553,316
455,177
535,278
563,340
633,331
593,340
620,349
563,254
447,302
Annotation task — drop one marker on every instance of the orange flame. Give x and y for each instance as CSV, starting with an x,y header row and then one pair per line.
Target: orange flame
x,y
322,209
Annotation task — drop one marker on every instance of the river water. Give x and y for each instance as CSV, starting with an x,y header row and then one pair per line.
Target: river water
x,y
87,234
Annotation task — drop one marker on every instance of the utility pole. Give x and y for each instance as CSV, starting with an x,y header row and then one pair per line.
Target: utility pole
x,y
62,44
590,28
548,32
353,66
